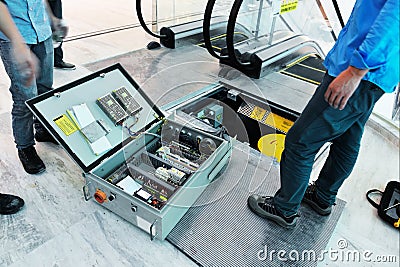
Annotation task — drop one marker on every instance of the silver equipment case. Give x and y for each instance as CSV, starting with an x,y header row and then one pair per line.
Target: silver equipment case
x,y
146,167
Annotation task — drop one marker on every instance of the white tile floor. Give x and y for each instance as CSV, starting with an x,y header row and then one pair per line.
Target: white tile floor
x,y
52,231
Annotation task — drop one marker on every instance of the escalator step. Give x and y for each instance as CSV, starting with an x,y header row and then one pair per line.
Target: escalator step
x,y
309,69
219,42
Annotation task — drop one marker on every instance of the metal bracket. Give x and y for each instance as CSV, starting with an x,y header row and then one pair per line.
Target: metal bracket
x,y
151,231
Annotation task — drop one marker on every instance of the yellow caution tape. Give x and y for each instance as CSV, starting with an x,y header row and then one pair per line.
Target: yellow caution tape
x,y
278,122
258,113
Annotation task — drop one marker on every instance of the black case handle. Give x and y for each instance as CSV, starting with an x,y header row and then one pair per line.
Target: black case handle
x,y
373,191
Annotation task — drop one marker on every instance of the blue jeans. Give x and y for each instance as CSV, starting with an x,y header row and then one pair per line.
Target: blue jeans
x,y
22,118
320,123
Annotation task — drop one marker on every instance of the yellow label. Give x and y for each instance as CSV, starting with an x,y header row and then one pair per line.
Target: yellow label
x,y
278,122
288,5
257,113
219,116
65,124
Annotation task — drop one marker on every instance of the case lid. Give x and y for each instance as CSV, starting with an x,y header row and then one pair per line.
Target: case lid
x,y
73,115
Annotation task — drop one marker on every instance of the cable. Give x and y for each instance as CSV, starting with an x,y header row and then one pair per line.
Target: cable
x,y
143,23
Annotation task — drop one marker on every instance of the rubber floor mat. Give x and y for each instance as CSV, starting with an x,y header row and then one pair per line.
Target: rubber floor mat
x,y
220,230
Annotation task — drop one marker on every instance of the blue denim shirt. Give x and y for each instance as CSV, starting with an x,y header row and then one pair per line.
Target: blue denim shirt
x,y
31,19
370,40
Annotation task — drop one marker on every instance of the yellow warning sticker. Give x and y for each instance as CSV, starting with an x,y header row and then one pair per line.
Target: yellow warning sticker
x,y
258,113
278,122
288,5
65,124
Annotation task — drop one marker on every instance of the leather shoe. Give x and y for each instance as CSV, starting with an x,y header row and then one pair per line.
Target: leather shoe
x,y
10,204
30,160
64,65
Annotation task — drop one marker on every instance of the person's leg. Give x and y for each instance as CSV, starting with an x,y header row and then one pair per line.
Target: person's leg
x,y
319,123
56,8
329,125
303,141
58,55
344,149
22,118
44,52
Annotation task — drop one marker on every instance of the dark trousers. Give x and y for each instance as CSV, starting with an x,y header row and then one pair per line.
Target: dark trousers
x,y
56,8
320,123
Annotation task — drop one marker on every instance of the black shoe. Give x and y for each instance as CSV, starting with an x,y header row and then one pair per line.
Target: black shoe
x,y
31,161
42,135
264,207
64,65
310,197
10,204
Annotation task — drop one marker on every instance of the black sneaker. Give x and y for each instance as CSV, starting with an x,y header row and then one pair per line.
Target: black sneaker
x,y
310,197
31,161
10,204
64,65
42,135
264,207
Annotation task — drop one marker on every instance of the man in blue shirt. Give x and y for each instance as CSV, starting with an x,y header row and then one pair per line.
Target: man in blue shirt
x,y
33,23
362,65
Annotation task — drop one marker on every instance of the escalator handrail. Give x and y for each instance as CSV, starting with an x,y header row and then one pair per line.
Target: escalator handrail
x,y
143,23
338,13
206,30
230,31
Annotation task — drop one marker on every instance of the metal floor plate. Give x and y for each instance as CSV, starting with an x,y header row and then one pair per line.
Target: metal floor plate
x,y
220,230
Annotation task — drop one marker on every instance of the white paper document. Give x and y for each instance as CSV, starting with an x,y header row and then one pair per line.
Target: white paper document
x,y
100,146
83,115
129,185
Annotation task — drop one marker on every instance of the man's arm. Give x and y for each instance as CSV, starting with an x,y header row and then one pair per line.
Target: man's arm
x,y
22,54
371,54
7,25
380,40
56,23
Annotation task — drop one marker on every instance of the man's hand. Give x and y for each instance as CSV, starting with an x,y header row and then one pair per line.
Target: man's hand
x,y
343,86
26,61
59,26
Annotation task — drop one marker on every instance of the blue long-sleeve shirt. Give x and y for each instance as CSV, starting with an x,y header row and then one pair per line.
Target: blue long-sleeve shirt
x,y
31,19
370,40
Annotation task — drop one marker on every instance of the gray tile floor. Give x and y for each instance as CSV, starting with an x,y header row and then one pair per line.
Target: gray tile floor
x,y
58,228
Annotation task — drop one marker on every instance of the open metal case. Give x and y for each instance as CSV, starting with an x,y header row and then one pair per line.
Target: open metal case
x,y
146,167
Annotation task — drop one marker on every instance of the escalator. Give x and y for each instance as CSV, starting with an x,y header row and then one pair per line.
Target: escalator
x,y
191,32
